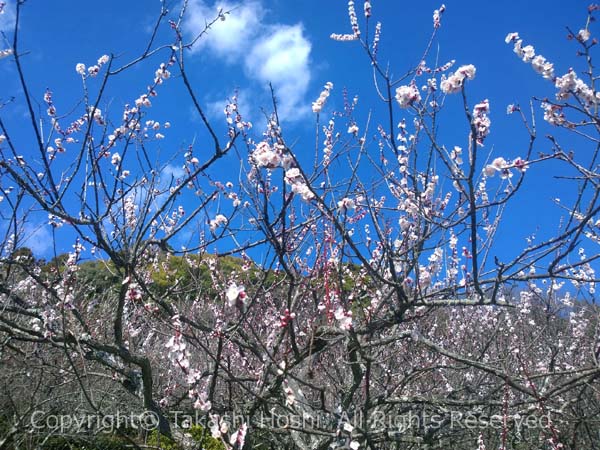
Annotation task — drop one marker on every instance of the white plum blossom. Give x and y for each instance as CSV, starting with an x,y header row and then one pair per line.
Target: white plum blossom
x,y
543,67
570,84
290,398
292,174
265,156
134,292
455,81
294,178
503,166
93,70
219,220
407,95
346,204
202,403
343,37
456,155
553,114
527,54
489,170
583,35
303,190
318,104
344,318
437,16
218,427
497,165
353,18
239,437
161,74
234,293
481,121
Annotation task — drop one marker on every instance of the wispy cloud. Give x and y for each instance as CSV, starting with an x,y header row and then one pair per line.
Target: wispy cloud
x,y
268,53
170,171
229,38
7,17
282,58
38,238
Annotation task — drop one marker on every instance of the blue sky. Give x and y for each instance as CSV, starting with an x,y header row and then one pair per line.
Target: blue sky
x,y
287,43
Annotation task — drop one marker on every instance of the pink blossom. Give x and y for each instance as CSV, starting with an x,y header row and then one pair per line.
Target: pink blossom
x,y
344,318
290,398
481,121
239,437
520,164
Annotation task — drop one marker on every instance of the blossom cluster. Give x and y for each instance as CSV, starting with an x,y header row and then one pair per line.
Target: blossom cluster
x,y
437,14
455,81
567,85
234,118
236,294
265,155
353,23
296,180
93,70
218,221
570,84
318,104
553,114
353,18
329,141
502,166
407,95
481,120
367,8
527,54
346,204
344,318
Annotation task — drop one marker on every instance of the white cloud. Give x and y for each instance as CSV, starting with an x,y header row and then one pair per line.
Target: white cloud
x,y
7,18
282,58
229,38
270,53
